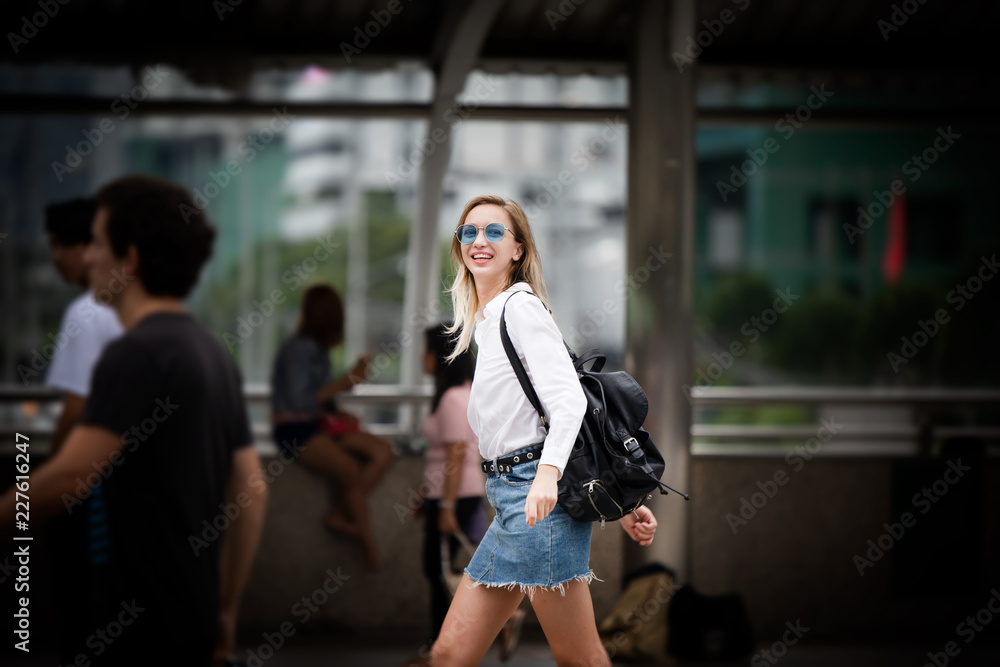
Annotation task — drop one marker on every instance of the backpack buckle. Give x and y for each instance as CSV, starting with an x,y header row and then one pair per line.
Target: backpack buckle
x,y
628,448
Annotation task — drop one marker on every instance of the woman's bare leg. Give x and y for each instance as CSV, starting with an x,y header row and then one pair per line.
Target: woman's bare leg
x,y
377,453
570,626
334,458
329,458
474,619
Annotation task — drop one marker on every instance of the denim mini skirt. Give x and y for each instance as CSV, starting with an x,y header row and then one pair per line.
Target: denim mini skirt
x,y
511,554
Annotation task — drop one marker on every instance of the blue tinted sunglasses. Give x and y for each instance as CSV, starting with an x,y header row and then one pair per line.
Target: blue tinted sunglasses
x,y
493,232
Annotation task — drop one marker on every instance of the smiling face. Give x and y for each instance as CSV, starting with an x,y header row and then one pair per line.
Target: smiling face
x,y
490,262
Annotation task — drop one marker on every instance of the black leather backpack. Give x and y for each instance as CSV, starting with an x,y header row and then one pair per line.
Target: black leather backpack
x,y
614,465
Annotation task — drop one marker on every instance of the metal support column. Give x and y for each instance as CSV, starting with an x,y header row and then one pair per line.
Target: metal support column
x,y
660,212
461,47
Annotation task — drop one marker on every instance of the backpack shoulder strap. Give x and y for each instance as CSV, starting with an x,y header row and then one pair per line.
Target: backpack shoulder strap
x,y
515,362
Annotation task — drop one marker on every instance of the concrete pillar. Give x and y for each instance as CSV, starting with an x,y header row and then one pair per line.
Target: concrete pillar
x,y
660,212
461,43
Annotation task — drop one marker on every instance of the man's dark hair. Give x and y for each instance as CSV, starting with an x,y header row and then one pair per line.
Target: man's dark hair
x,y
171,233
322,315
69,221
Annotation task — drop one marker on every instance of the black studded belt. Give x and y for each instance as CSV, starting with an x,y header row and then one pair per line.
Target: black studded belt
x,y
507,463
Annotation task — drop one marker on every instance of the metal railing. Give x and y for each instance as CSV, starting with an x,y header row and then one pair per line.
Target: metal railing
x,y
411,404
894,421
902,437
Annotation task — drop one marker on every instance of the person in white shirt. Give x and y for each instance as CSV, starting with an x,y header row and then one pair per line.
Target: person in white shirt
x,y
532,546
76,540
87,324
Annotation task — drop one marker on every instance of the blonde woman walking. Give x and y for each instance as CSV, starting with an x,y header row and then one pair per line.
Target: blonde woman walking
x,y
532,547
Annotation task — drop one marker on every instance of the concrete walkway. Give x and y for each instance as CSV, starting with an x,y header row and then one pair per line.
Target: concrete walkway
x,y
394,650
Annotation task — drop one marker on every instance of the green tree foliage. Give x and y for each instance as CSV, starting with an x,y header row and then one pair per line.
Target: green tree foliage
x,y
735,299
889,315
816,339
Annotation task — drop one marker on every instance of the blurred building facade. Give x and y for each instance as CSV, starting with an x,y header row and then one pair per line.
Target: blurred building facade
x,y
840,207
794,207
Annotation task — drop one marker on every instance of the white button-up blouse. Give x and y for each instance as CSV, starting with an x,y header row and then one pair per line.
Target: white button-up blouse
x,y
499,411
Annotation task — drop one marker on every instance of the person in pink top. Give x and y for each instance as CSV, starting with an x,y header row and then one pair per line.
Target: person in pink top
x,y
453,485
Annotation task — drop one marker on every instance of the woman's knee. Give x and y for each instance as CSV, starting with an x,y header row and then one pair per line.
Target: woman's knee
x,y
326,455
580,656
380,452
380,446
443,655
446,653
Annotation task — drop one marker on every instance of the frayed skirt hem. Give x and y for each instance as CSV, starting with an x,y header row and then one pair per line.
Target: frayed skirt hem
x,y
531,589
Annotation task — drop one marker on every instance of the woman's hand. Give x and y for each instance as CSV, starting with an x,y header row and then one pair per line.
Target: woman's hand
x,y
359,373
640,529
417,506
543,494
447,523
345,382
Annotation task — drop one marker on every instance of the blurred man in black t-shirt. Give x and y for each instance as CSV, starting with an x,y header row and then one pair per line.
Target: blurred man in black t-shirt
x,y
166,424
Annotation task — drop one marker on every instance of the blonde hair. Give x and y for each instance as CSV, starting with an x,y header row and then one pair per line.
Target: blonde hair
x,y
527,269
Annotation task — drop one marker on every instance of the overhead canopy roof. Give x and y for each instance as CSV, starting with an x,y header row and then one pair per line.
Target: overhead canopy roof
x,y
222,42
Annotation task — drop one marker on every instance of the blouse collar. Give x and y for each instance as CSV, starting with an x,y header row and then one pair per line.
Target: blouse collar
x,y
495,306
